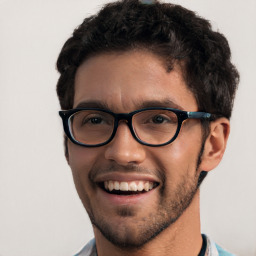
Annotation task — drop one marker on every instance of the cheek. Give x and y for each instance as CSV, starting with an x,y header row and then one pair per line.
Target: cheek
x,y
179,159
189,142
179,155
81,158
81,161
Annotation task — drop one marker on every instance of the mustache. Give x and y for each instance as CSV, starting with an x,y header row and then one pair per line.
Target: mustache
x,y
131,168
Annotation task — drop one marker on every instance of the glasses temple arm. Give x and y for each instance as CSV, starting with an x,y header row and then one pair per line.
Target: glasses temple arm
x,y
198,115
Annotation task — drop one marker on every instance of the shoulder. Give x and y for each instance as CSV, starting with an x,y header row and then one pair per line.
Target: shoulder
x,y
216,250
88,250
222,252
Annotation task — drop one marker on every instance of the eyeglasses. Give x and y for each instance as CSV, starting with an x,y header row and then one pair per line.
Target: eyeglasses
x,y
93,127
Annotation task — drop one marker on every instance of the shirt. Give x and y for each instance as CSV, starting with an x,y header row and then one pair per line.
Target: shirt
x,y
209,248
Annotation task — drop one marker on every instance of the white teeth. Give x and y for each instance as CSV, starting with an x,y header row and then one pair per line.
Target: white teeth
x,y
123,186
132,186
110,185
140,186
128,186
146,186
116,185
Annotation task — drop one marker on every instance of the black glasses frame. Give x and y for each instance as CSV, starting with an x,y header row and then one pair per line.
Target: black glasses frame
x,y
181,115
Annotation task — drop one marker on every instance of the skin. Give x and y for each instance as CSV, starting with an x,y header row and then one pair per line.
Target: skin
x,y
125,82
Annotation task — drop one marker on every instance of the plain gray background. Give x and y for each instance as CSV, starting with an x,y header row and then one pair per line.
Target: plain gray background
x,y
40,213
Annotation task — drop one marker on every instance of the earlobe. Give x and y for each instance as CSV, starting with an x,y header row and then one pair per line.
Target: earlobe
x,y
215,144
66,148
67,156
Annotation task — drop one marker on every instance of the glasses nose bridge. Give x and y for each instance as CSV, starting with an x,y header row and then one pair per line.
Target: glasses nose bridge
x,y
126,117
123,116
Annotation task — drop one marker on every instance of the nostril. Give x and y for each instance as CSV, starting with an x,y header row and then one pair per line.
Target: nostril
x,y
124,149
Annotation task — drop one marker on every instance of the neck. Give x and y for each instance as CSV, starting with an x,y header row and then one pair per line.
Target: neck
x,y
181,238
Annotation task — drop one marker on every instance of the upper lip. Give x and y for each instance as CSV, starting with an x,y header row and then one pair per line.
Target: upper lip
x,y
120,176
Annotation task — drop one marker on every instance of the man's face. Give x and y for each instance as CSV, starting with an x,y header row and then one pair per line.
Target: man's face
x,y
123,83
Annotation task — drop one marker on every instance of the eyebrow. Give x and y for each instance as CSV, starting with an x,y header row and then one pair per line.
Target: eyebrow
x,y
166,103
93,104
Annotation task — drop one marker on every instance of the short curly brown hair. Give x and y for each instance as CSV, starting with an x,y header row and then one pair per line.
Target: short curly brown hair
x,y
170,31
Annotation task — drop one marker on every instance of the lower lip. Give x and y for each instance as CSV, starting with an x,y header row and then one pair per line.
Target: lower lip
x,y
124,200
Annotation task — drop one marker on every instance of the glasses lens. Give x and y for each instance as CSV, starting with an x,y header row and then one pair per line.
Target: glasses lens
x,y
155,126
91,127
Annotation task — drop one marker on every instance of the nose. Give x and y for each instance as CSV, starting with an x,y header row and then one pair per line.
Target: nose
x,y
124,149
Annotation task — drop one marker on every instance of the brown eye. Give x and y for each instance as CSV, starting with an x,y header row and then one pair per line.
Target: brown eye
x,y
94,120
158,119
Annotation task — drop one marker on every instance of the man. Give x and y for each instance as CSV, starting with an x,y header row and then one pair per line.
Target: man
x,y
146,90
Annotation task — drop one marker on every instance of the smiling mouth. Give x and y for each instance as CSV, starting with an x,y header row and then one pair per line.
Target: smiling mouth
x,y
125,188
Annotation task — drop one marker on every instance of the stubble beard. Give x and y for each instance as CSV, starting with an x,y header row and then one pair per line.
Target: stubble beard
x,y
141,231
167,212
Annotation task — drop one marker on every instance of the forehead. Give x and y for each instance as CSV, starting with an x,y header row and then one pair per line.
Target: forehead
x,y
124,82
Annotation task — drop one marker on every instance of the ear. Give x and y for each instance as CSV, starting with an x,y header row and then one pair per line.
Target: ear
x,y
215,144
66,148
